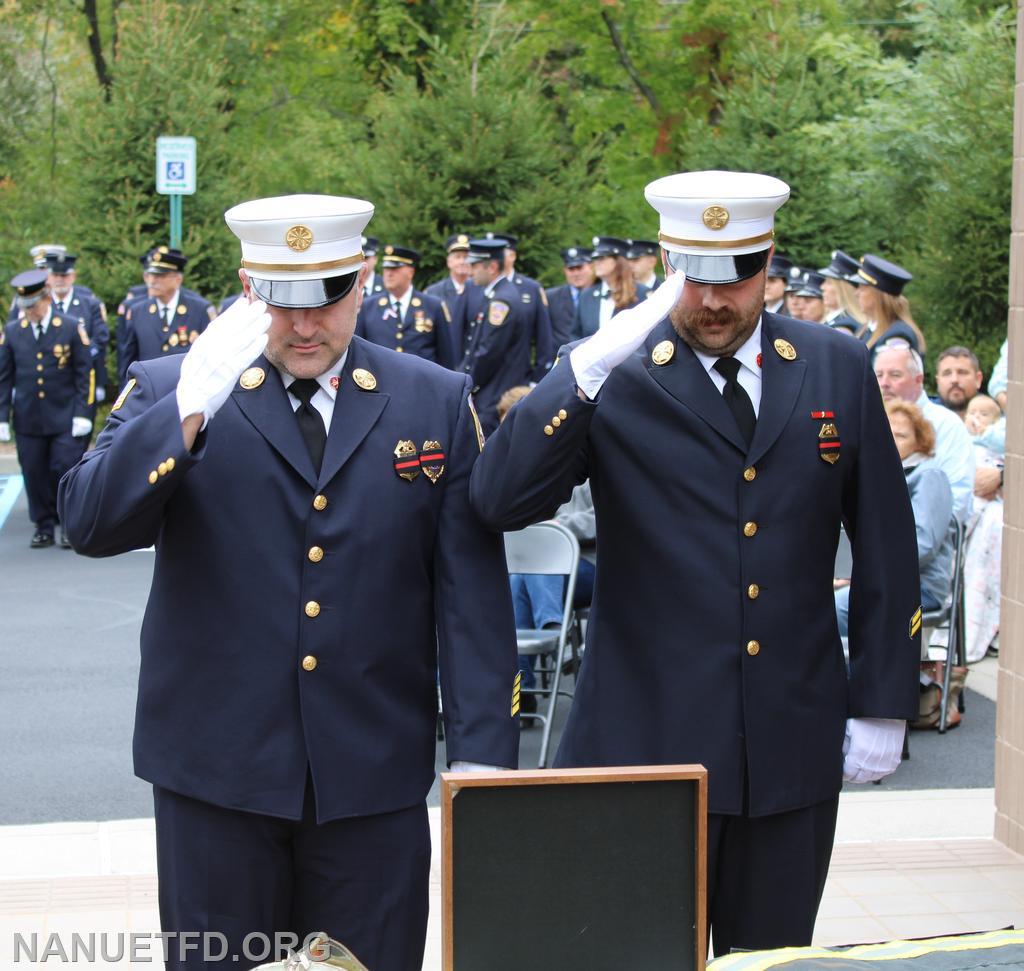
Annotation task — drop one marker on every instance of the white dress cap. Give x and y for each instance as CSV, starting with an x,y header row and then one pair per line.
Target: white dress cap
x,y
716,213
300,237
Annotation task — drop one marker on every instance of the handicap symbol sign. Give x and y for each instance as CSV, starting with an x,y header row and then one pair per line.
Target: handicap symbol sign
x,y
175,171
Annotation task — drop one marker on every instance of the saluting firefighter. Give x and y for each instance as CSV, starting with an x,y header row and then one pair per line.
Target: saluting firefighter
x,y
166,321
317,565
46,368
403,318
724,446
499,336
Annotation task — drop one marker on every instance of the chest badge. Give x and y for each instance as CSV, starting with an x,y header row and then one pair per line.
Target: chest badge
x,y
828,440
252,378
785,350
407,462
663,353
432,460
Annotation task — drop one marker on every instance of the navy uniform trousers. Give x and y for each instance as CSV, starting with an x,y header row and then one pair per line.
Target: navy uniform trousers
x,y
295,630
713,635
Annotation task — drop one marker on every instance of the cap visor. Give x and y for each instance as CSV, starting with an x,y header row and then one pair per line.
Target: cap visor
x,y
718,269
296,294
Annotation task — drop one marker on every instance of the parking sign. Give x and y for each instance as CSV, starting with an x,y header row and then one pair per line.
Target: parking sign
x,y
176,165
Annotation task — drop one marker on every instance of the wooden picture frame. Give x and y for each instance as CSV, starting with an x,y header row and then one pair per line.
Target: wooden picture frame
x,y
614,851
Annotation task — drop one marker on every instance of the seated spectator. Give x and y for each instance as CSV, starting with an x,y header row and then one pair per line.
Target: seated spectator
x,y
932,500
997,383
983,551
900,375
958,378
538,600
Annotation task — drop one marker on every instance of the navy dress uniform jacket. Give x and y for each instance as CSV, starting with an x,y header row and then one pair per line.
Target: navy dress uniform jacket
x,y
588,312
713,634
562,310
534,300
425,332
498,347
51,380
87,306
404,577
456,303
145,336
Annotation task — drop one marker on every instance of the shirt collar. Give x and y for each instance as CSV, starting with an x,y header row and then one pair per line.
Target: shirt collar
x,y
45,322
489,289
324,380
403,301
747,354
171,304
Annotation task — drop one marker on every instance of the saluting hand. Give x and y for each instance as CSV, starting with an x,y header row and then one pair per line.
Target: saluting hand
x,y
593,360
220,354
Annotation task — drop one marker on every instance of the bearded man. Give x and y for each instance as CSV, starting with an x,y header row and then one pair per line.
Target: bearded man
x,y
725,445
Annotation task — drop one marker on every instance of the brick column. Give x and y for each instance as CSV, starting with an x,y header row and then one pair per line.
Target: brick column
x,y
1009,825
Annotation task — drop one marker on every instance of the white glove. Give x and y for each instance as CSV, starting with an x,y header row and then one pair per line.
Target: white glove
x,y
872,749
460,766
593,360
80,427
219,355
5,432
101,394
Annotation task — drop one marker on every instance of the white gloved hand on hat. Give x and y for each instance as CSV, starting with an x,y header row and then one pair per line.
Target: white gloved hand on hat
x,y
593,360
80,427
218,357
873,748
5,432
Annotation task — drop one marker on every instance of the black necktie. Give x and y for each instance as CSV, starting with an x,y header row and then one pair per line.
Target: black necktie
x,y
736,398
311,424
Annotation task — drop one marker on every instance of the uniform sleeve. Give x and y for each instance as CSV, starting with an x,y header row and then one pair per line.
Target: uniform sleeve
x,y
530,465
885,588
100,338
544,342
488,351
6,378
85,377
113,500
475,625
127,346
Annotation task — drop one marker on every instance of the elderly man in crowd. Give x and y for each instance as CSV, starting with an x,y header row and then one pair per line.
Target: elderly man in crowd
x,y
900,375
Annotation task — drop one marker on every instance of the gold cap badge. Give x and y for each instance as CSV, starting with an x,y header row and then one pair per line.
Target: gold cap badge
x,y
364,379
785,350
252,378
663,353
299,238
716,217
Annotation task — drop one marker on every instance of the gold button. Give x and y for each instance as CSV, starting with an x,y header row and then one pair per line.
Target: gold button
x,y
39,355
753,591
170,465
162,468
750,474
399,350
749,529
165,348
39,381
753,648
312,608
42,394
563,414
398,335
320,503
153,477
315,554
556,421
39,367
548,430
309,663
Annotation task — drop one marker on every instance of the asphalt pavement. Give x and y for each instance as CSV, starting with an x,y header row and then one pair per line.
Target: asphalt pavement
x,y
69,655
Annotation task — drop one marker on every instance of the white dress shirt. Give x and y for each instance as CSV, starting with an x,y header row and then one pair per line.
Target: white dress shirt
x,y
38,329
171,305
749,375
324,399
402,301
607,308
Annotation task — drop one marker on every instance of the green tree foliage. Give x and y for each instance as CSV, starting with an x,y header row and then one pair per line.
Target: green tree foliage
x,y
890,119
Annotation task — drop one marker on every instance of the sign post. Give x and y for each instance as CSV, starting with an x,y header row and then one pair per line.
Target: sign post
x,y
176,176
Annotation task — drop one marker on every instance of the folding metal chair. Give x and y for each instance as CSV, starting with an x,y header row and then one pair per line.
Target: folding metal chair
x,y
951,614
546,549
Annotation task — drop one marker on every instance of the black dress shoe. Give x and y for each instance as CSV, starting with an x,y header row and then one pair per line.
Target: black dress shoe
x,y
65,543
41,540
